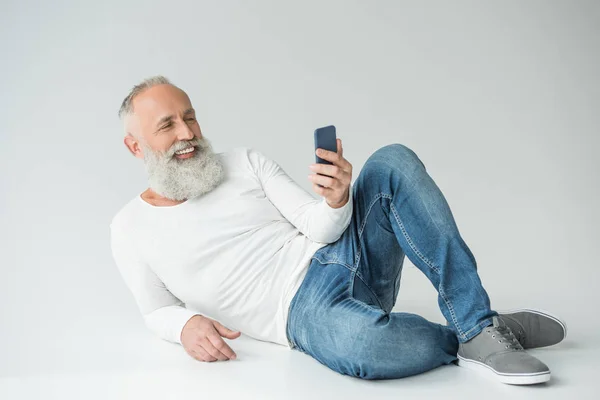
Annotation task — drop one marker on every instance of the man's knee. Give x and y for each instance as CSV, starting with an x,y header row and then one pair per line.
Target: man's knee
x,y
382,352
396,151
395,157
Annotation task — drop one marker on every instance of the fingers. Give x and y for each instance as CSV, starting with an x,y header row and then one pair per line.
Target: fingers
x,y
330,176
203,341
325,169
324,181
222,347
214,344
210,348
335,157
322,191
201,355
228,333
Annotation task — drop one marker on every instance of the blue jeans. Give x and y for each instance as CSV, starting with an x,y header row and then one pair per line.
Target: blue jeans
x,y
341,314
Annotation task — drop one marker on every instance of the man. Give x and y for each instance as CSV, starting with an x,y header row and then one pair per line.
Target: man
x,y
227,242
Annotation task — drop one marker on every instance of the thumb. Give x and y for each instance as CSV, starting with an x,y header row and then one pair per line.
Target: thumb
x,y
228,333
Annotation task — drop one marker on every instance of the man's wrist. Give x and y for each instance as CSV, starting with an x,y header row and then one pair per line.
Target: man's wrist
x,y
341,204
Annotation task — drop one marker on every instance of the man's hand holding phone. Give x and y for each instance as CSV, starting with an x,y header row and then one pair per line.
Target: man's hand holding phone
x,y
336,185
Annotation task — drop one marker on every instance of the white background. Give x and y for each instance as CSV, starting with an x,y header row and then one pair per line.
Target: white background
x,y
500,100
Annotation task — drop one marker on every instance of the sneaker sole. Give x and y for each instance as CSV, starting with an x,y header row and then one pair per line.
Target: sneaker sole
x,y
511,379
546,314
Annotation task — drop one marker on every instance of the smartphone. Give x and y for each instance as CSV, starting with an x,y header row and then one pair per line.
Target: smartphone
x,y
325,138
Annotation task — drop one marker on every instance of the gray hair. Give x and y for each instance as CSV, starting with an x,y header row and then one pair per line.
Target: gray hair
x,y
127,105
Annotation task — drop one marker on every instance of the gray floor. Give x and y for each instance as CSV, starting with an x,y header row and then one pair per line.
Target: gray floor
x,y
93,359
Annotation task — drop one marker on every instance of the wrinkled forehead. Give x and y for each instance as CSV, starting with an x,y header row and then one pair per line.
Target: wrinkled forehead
x,y
159,101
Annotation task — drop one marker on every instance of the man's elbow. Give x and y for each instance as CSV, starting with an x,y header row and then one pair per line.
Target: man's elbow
x,y
325,238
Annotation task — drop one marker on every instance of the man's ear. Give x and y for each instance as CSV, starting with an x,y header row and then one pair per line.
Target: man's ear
x,y
133,145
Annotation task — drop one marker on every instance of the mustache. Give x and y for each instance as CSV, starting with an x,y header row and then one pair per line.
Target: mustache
x,y
197,143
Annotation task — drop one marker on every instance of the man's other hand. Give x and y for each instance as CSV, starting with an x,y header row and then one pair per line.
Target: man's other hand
x,y
202,339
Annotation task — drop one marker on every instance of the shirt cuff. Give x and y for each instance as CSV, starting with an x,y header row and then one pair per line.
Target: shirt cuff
x,y
168,322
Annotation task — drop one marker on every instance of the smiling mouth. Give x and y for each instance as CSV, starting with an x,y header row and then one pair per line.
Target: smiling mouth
x,y
186,153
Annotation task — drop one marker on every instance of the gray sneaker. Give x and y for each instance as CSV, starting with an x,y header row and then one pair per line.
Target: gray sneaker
x,y
535,328
497,351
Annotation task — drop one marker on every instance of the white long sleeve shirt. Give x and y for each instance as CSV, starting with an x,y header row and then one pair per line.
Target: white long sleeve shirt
x,y
237,254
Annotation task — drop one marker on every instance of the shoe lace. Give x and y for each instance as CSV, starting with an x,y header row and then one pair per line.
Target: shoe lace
x,y
516,328
504,335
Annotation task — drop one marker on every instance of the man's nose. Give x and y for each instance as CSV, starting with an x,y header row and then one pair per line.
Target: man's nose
x,y
185,132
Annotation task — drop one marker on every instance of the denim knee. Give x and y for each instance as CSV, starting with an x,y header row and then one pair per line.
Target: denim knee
x,y
379,350
396,157
357,354
397,151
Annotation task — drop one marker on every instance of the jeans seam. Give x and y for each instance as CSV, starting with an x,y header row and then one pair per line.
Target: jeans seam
x,y
480,326
359,252
396,288
350,287
362,228
358,275
409,240
452,312
427,262
333,262
353,273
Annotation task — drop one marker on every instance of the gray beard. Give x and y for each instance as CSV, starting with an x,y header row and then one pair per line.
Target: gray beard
x,y
184,179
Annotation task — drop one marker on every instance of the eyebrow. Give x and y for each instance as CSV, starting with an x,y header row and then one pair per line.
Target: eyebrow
x,y
168,118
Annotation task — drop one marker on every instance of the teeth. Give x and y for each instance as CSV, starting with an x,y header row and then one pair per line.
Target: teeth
x,y
185,151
